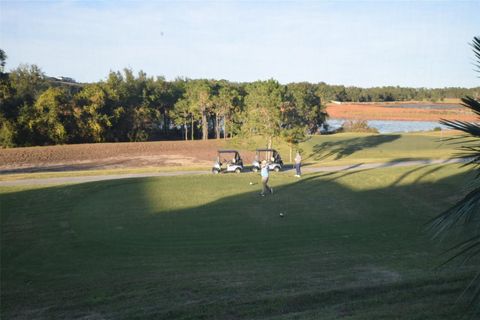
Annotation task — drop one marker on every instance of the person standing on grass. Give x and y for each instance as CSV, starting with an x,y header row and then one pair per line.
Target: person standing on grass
x,y
265,175
298,163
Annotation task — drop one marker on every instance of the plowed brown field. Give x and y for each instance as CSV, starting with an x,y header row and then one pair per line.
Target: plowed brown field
x,y
360,111
110,156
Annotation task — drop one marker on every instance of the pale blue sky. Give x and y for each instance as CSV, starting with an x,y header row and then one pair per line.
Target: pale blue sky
x,y
375,43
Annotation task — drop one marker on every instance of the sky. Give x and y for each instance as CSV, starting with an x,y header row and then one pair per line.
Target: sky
x,y
353,43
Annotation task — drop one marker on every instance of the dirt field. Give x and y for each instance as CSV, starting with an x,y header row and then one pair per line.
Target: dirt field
x,y
111,156
360,111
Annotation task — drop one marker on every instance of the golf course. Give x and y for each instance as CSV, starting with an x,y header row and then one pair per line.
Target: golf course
x,y
239,160
342,244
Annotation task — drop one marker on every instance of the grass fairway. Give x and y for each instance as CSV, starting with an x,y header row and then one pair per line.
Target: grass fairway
x,y
354,148
351,245
365,148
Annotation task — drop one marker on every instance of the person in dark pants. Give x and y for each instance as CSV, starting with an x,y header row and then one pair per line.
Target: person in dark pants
x,y
298,163
265,175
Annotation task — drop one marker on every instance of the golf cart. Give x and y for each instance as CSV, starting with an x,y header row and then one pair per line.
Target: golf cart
x,y
272,157
228,161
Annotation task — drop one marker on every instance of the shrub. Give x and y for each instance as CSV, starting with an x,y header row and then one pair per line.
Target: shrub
x,y
356,126
7,134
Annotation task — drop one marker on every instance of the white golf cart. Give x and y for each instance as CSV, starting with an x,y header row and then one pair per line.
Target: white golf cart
x,y
272,157
228,161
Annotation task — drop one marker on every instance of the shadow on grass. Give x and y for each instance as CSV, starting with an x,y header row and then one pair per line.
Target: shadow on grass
x,y
426,173
344,148
160,248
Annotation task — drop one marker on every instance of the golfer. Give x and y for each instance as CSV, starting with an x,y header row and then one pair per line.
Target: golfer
x,y
298,163
265,174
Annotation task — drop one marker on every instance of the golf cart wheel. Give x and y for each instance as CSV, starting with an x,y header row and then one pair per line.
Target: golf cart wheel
x,y
215,171
254,169
276,169
238,170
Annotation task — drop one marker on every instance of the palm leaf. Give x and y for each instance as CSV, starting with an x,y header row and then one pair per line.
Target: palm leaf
x,y
476,50
466,212
467,250
472,104
463,212
467,127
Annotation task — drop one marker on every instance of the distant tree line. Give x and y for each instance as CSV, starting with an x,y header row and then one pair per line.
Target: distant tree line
x,y
40,110
390,93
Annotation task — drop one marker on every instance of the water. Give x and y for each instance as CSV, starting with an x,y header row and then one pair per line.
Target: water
x,y
391,126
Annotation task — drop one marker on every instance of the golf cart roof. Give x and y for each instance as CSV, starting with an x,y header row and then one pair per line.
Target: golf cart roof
x,y
227,151
262,150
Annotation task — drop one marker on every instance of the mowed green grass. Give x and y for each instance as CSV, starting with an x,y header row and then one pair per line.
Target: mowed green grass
x,y
365,148
354,148
351,245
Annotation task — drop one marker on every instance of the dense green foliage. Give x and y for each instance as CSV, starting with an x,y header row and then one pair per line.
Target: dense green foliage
x,y
208,247
391,93
40,110
356,126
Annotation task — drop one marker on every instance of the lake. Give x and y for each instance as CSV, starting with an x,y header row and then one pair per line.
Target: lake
x,y
391,126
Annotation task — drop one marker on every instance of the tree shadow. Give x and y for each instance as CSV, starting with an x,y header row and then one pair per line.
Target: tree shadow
x,y
127,249
344,148
426,173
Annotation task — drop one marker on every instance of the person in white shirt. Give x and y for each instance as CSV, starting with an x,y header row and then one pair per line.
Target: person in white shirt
x,y
265,175
298,163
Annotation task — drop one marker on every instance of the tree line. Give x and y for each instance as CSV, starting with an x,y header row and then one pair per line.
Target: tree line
x,y
393,93
39,110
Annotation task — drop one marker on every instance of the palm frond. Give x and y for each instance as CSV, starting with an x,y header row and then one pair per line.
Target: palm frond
x,y
467,250
463,212
475,286
472,104
466,212
476,50
470,128
475,283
